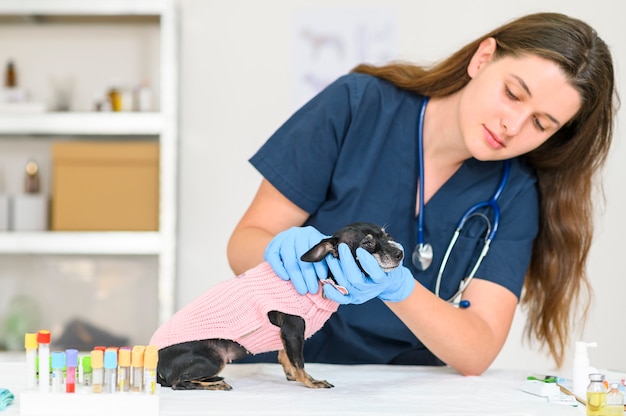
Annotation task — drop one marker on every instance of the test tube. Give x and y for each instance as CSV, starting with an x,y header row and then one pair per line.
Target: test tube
x,y
58,363
43,341
123,369
71,362
110,370
150,361
86,366
30,344
137,364
97,364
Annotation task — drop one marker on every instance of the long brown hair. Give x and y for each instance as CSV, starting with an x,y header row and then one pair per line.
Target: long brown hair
x,y
566,164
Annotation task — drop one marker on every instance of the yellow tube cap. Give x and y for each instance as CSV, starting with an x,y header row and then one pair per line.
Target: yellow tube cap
x,y
97,359
151,357
123,357
30,341
137,355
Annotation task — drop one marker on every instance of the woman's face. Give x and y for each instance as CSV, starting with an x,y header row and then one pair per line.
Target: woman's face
x,y
512,105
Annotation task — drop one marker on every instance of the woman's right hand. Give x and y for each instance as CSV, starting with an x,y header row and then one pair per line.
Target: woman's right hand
x,y
283,254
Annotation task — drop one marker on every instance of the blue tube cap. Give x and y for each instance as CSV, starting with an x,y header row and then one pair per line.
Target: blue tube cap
x,y
71,357
58,359
110,359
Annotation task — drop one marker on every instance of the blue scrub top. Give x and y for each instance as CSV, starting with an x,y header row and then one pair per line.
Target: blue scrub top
x,y
350,154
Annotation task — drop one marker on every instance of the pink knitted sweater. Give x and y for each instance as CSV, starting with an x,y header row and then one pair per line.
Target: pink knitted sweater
x,y
237,310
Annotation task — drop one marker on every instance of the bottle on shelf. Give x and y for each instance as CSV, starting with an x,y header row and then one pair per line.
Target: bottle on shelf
x,y
30,208
31,180
10,77
115,98
143,97
11,93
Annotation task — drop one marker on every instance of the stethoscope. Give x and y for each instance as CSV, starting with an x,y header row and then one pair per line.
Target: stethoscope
x,y
423,252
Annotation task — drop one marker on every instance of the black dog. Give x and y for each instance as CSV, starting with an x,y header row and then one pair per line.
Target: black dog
x,y
195,345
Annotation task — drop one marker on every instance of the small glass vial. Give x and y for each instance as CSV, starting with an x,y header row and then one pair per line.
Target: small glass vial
x,y
115,98
10,76
596,395
31,180
614,401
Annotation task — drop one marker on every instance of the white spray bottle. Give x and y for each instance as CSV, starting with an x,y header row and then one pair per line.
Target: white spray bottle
x,y
582,369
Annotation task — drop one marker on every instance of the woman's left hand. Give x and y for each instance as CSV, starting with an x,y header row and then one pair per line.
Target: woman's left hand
x,y
392,286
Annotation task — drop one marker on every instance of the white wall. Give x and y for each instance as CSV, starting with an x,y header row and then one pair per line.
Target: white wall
x,y
236,89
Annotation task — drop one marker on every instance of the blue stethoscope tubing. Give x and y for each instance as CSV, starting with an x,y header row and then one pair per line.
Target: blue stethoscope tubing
x,y
492,228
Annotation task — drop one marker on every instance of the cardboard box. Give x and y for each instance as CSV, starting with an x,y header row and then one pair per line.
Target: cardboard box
x,y
105,186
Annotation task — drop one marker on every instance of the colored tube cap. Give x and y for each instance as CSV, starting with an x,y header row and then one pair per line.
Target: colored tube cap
x,y
30,341
43,337
86,361
58,359
110,359
123,357
97,359
151,357
137,355
71,356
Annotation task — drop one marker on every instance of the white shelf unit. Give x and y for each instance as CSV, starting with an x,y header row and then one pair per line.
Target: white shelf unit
x,y
161,124
76,123
91,243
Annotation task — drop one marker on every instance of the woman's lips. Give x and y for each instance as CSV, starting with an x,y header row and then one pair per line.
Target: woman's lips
x,y
493,140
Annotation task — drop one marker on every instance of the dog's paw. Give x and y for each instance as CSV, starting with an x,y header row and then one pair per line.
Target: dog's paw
x,y
214,383
319,384
312,383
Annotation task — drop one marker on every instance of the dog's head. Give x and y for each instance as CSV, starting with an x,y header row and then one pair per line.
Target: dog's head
x,y
370,237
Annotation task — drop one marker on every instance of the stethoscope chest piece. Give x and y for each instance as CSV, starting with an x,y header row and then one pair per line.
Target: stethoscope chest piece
x,y
422,256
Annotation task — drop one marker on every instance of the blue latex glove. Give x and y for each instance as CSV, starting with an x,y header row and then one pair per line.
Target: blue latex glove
x,y
392,286
283,254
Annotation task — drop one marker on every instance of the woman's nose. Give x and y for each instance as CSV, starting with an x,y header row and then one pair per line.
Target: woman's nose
x,y
512,123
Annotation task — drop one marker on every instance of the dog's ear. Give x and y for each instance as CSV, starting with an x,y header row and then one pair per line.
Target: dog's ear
x,y
321,249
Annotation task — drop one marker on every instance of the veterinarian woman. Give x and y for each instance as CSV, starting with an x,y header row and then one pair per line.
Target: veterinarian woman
x,y
538,91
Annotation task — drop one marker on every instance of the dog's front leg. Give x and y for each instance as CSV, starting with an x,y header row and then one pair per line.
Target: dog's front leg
x,y
291,357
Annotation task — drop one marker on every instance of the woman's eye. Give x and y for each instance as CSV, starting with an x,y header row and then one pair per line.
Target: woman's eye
x,y
510,94
539,125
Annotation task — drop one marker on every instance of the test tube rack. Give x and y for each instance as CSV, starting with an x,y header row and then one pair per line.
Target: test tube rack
x,y
84,401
